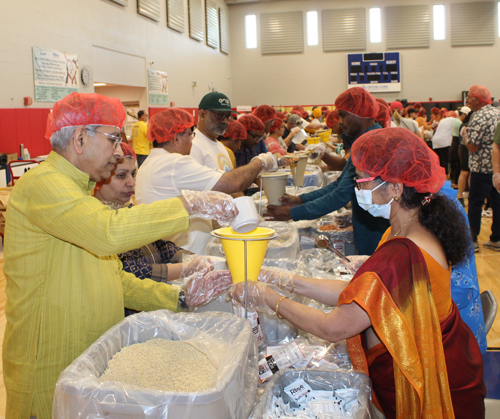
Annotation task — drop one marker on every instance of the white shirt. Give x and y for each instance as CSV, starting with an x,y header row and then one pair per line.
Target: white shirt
x,y
164,175
210,153
442,136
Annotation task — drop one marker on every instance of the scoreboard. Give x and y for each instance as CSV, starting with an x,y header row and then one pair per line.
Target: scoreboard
x,y
375,71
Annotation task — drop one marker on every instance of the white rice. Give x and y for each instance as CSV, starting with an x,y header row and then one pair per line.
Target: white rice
x,y
162,364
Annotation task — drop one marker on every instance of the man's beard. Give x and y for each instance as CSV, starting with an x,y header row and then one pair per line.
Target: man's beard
x,y
220,129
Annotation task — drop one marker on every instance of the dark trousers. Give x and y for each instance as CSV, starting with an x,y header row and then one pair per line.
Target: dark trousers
x,y
140,159
454,161
480,187
444,157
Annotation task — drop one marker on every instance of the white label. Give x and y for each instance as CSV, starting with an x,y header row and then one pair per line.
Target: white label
x,y
282,358
298,390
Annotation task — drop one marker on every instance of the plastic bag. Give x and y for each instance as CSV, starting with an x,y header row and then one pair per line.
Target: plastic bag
x,y
331,176
324,264
210,205
322,380
312,177
226,339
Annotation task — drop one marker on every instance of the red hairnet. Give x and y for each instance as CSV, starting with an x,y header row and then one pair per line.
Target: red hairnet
x,y
264,113
277,124
304,114
280,115
442,112
325,109
236,130
482,93
298,108
397,155
396,105
251,123
421,112
295,112
128,151
80,109
382,101
164,125
435,111
332,119
383,118
357,101
417,106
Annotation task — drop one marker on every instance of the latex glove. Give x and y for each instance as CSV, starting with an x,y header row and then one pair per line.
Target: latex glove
x,y
201,289
496,181
198,265
256,296
355,263
269,162
316,151
282,161
295,130
278,277
465,134
210,205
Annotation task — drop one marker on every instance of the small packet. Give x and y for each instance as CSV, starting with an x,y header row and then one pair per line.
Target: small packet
x,y
253,317
283,358
298,390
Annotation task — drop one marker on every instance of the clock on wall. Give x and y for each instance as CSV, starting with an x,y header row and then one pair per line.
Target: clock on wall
x,y
86,75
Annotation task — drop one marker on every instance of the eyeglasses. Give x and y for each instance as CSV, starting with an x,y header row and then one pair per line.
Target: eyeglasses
x,y
222,115
359,180
113,138
192,133
256,138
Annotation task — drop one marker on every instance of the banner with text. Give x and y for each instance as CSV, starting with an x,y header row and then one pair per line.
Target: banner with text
x,y
55,74
157,87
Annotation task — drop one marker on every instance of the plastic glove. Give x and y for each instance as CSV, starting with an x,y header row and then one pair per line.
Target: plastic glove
x,y
198,265
465,134
201,289
256,296
210,205
282,161
355,263
496,181
295,130
316,151
269,162
279,277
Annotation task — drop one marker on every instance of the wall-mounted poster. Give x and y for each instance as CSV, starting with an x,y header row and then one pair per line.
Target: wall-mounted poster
x,y
55,74
157,87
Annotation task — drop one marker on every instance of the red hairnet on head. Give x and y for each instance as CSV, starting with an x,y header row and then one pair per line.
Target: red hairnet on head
x,y
128,151
397,155
417,106
298,108
276,125
251,123
482,93
357,101
304,114
280,115
382,102
236,130
435,111
295,112
383,118
164,125
442,112
421,112
264,113
325,109
332,119
396,105
80,109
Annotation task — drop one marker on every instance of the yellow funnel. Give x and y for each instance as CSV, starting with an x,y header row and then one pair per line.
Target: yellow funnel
x,y
235,251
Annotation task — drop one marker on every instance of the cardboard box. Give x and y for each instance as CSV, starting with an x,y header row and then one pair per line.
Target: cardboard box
x,y
11,156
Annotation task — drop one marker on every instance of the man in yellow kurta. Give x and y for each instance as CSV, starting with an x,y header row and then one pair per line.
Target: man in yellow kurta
x,y
65,286
140,141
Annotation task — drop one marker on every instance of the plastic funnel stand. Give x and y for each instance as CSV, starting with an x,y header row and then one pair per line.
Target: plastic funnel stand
x,y
298,168
235,251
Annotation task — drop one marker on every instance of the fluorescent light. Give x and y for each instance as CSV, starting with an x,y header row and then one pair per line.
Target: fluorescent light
x,y
312,28
375,25
251,31
438,16
99,84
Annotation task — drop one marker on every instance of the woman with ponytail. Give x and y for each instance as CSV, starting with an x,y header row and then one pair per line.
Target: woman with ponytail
x,y
402,327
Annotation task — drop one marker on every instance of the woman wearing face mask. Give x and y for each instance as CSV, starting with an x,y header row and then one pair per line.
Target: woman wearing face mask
x,y
403,328
162,260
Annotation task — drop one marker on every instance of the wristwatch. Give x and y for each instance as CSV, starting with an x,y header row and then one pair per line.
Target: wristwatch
x,y
182,305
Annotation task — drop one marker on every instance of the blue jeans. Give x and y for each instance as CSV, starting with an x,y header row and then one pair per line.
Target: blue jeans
x,y
480,187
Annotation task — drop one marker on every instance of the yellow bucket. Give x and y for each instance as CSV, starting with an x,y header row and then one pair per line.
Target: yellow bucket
x,y
325,136
235,251
313,140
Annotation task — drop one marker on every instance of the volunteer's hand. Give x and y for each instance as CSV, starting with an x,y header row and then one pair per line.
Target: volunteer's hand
x,y
279,277
295,130
210,205
316,151
199,265
256,296
277,213
291,200
496,181
201,289
355,262
465,134
269,162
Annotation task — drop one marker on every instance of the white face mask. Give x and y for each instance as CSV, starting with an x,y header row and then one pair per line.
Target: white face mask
x,y
364,197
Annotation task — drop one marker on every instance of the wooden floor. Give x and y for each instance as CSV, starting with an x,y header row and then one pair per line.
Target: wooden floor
x,y
488,264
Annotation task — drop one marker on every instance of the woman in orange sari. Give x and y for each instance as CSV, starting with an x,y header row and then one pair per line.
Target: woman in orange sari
x,y
402,327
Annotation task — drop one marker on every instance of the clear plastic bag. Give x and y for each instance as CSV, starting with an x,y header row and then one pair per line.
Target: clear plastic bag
x,y
331,176
312,177
322,263
226,339
324,380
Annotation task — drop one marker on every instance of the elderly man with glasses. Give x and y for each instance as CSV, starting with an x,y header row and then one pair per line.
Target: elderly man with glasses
x,y
65,284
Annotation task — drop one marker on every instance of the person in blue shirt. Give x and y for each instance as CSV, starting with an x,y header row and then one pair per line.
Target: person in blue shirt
x,y
254,143
357,109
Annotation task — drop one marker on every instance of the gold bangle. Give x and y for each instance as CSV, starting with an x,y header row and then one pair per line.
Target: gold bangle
x,y
278,306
